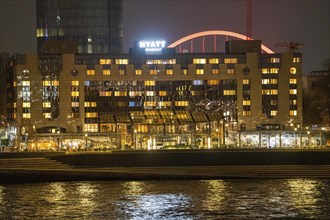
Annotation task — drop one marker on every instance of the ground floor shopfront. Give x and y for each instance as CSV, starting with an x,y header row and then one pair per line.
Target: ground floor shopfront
x,y
220,137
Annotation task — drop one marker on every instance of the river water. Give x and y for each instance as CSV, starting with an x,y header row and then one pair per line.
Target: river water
x,y
186,199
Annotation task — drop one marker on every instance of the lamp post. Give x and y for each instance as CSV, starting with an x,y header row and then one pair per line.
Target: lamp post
x,y
135,138
35,136
86,137
58,140
309,138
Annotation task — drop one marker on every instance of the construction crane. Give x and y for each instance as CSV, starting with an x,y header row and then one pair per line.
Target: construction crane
x,y
248,19
292,46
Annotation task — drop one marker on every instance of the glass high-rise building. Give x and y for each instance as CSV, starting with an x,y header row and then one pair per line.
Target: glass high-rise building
x,y
96,25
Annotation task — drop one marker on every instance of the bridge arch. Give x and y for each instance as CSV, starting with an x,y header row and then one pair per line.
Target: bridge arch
x,y
215,33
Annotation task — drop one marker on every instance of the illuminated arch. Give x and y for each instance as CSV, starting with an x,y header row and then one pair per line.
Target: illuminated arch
x,y
215,32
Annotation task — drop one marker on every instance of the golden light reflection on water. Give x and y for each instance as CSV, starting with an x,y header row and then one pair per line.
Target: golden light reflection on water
x,y
87,194
304,193
215,195
56,192
1,194
134,187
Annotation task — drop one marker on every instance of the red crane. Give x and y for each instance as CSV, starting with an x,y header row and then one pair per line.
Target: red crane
x,y
248,19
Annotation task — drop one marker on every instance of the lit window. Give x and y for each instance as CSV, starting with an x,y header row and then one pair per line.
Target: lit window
x,y
273,102
135,93
90,72
246,102
150,93
75,94
25,83
121,61
91,115
184,71
198,82
246,113
213,82
230,71
181,103
269,81
215,71
293,70
26,115
214,61
230,60
293,81
164,103
122,72
26,104
293,91
47,115
273,112
149,83
269,91
269,70
153,72
74,104
162,93
149,104
293,102
293,113
169,72
296,60
138,72
274,60
91,128
46,83
120,93
246,81
106,72
105,93
74,83
229,92
46,104
199,61
105,61
199,71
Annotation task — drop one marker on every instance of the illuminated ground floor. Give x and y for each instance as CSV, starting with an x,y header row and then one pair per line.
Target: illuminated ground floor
x,y
194,139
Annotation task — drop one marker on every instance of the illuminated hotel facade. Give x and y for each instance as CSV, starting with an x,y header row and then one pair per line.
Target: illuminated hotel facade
x,y
141,100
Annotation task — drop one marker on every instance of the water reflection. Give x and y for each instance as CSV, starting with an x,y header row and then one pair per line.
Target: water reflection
x,y
305,196
209,199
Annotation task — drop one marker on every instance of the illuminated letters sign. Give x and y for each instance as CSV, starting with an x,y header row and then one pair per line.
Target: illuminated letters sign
x,y
152,47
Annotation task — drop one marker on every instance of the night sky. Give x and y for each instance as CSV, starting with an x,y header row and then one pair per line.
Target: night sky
x,y
274,21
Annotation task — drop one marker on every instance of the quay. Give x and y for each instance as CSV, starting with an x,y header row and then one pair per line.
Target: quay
x,y
166,164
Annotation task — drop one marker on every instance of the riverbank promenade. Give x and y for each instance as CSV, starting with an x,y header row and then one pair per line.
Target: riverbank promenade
x,y
156,165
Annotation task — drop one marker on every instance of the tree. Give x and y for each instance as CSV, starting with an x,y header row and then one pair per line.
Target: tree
x,y
317,104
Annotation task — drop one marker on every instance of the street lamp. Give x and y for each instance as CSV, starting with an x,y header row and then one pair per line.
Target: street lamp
x,y
35,136
58,140
218,133
86,136
309,138
135,138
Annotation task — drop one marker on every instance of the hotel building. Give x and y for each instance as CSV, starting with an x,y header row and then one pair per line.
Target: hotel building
x,y
154,97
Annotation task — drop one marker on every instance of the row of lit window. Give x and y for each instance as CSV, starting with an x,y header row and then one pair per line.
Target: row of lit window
x,y
50,83
91,128
195,61
230,71
107,72
90,104
117,61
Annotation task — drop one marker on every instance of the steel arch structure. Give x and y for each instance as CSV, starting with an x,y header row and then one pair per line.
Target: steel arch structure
x,y
215,33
